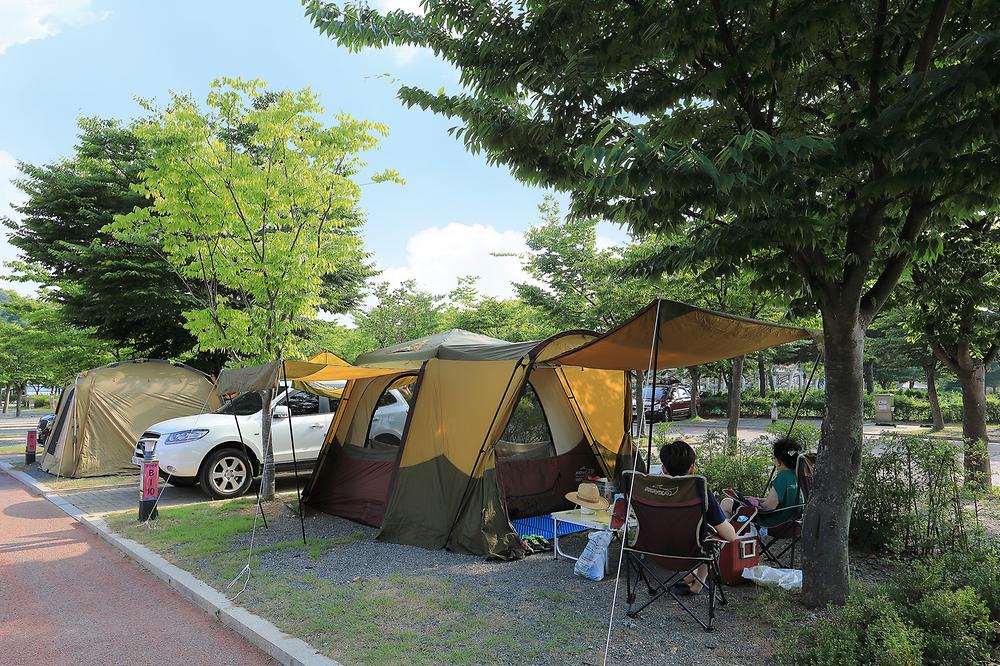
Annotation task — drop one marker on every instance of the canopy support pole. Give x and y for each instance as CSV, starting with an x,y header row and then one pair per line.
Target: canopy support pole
x,y
802,398
482,450
655,361
291,438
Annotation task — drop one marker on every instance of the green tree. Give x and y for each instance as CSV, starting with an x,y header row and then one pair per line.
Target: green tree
x,y
576,283
254,200
958,294
125,291
812,142
399,314
507,319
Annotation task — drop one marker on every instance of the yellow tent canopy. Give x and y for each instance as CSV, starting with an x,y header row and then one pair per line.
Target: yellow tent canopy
x,y
265,376
687,335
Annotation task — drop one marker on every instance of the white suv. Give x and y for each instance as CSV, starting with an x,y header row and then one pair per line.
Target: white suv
x,y
207,449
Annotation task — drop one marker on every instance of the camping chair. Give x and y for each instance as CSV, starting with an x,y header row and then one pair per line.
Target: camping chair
x,y
791,529
673,538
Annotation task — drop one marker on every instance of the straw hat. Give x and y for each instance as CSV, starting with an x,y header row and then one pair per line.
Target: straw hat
x,y
587,495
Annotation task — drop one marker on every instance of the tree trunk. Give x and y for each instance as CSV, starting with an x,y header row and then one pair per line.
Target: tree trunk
x,y
6,398
695,373
825,561
930,374
770,380
735,395
267,473
869,368
972,377
762,375
17,402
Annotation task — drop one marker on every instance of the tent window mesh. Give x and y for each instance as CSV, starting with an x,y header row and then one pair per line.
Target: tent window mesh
x,y
527,434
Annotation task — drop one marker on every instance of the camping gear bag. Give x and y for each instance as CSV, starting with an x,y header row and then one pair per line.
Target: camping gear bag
x,y
744,553
594,557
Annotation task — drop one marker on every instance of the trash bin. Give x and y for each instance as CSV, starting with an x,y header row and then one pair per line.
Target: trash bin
x,y
883,409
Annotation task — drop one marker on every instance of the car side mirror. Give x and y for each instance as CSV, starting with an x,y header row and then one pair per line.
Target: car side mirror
x,y
280,412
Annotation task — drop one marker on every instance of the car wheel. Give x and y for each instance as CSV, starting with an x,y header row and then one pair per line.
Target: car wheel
x,y
182,481
226,473
387,438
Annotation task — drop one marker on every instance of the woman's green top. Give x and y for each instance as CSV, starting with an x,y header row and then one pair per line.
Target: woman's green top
x,y
786,485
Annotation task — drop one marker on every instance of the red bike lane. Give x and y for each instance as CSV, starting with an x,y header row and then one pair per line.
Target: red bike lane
x,y
68,598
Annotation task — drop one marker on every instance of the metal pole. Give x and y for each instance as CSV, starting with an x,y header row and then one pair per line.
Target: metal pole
x,y
652,402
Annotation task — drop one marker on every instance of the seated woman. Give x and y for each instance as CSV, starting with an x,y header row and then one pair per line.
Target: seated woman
x,y
678,460
781,503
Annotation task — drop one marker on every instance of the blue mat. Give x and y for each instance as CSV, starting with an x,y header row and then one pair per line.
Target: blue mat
x,y
542,526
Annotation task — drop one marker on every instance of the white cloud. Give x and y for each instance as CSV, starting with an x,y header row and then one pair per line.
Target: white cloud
x,y
23,21
437,257
10,196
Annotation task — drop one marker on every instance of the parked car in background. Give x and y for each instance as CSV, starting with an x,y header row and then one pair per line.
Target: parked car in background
x,y
44,429
222,451
672,402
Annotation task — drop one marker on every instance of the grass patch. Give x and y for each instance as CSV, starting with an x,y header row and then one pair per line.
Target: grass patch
x,y
195,537
64,483
8,449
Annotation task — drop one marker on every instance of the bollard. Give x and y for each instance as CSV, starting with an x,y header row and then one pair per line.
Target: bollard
x,y
774,411
29,449
148,485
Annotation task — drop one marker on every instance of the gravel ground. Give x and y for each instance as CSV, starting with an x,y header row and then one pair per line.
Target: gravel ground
x,y
662,634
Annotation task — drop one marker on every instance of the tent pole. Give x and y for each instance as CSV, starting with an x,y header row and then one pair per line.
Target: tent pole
x,y
802,398
655,361
482,449
247,455
295,462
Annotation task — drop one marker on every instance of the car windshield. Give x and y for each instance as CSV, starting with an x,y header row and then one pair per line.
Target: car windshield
x,y
648,391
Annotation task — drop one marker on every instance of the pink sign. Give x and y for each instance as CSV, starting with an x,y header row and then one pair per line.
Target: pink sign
x,y
150,479
32,442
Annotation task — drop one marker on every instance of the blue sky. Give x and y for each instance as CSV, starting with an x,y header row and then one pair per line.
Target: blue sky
x,y
61,59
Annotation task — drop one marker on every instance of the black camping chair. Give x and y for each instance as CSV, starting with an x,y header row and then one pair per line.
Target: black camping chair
x,y
673,540
789,531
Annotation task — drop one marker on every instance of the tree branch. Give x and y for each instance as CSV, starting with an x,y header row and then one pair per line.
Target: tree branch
x,y
929,40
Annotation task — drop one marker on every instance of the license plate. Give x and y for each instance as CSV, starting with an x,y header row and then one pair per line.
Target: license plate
x,y
136,460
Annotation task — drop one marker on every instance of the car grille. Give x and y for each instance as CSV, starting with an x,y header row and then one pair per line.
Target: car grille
x,y
140,446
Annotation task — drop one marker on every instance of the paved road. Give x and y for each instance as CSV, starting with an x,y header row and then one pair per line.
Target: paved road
x,y
69,599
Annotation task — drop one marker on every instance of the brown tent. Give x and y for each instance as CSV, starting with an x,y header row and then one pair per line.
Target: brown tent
x,y
687,335
462,470
103,412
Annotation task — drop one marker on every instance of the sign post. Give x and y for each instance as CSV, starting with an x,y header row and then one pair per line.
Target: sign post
x,y
30,447
148,485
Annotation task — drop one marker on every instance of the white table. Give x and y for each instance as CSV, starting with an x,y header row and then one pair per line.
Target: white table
x,y
598,520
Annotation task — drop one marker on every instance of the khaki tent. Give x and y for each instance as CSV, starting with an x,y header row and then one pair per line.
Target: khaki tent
x,y
103,412
461,473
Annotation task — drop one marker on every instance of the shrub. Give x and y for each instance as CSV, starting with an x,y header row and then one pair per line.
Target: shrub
x,y
869,629
907,499
975,565
955,625
746,469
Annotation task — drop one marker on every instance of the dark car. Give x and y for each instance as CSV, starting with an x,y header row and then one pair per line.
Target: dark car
x,y
44,428
673,401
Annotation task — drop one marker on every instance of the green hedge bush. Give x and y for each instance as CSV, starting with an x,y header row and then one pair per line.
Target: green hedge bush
x,y
908,405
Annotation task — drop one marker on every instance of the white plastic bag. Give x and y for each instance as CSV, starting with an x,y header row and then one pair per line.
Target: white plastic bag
x,y
593,558
787,579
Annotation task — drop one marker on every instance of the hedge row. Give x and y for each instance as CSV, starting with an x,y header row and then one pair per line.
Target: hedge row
x,y
908,405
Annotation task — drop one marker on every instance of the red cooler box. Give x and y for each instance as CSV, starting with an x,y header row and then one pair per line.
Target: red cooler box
x,y
739,555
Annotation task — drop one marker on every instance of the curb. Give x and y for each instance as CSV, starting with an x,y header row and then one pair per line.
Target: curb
x,y
285,649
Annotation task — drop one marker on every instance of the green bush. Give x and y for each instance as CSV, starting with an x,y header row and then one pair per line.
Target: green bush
x,y
908,497
975,565
955,625
743,466
908,405
869,629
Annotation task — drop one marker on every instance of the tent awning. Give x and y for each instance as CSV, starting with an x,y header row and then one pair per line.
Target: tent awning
x,y
688,336
266,375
